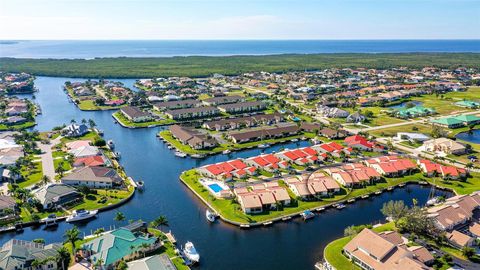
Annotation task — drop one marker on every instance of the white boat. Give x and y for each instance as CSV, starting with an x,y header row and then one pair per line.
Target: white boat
x,y
81,214
211,216
226,152
118,155
191,253
266,145
180,154
294,140
340,206
140,185
307,214
111,144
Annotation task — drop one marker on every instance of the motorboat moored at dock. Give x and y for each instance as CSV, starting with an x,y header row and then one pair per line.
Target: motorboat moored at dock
x,y
81,214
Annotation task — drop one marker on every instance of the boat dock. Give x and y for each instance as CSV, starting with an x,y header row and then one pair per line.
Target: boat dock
x,y
171,237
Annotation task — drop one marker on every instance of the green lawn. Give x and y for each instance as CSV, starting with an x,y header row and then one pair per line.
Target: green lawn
x,y
230,209
333,251
31,177
169,249
392,131
125,122
25,125
167,135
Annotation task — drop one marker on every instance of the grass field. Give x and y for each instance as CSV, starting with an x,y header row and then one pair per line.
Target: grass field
x,y
200,66
392,131
25,125
125,122
31,177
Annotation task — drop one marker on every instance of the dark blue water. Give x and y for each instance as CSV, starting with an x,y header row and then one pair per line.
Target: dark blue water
x,y
155,48
292,245
473,137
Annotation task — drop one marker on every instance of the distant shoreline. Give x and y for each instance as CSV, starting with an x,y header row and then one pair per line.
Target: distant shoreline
x,y
202,66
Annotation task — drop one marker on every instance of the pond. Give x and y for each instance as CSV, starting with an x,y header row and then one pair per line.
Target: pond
x,y
471,137
404,104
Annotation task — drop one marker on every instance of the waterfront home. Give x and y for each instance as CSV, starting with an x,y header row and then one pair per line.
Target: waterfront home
x,y
77,144
301,156
241,107
91,161
7,205
223,100
135,114
459,239
373,251
468,104
120,244
84,151
192,113
93,177
265,133
444,145
195,139
431,169
225,170
10,152
246,121
391,166
53,196
350,176
156,262
250,203
455,212
74,130
314,186
176,104
20,254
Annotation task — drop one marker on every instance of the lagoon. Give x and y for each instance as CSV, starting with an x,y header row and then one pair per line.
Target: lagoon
x,y
290,245
471,137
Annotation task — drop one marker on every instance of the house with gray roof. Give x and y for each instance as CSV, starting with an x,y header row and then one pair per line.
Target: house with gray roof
x,y
157,262
74,130
18,254
93,177
54,195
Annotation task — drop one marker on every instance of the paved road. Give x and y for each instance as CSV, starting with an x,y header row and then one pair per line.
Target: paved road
x,y
47,158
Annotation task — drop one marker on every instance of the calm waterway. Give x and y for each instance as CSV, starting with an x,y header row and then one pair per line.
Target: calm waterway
x,y
154,48
472,137
291,245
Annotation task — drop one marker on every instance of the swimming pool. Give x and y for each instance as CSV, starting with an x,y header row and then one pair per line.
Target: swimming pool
x,y
215,187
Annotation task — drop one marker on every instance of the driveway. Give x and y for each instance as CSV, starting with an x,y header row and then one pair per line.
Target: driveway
x,y
47,158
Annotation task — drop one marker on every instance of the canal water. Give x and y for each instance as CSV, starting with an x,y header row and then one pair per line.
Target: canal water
x,y
290,245
471,137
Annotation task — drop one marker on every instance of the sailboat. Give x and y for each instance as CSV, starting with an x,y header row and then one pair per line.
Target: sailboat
x,y
432,200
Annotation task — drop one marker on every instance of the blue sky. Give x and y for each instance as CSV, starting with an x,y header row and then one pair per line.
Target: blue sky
x,y
239,19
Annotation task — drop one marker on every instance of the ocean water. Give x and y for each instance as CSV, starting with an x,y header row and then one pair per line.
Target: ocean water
x,y
165,48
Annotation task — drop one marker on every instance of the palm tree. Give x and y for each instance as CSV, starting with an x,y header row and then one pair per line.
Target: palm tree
x,y
122,265
144,247
59,169
98,264
45,180
71,236
91,123
160,222
14,172
119,216
63,258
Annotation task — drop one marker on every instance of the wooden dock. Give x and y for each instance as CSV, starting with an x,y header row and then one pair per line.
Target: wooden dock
x,y
171,237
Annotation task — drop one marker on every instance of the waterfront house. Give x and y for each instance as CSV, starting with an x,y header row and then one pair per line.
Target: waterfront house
x,y
74,130
250,203
225,170
52,196
192,113
223,100
7,205
19,254
195,139
93,177
77,144
246,121
430,169
176,104
84,151
372,251
241,107
122,243
135,114
444,145
455,212
91,161
263,134
156,262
